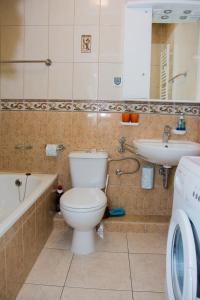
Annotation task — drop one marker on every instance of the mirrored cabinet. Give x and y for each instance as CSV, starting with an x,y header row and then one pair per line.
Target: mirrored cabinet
x,y
162,51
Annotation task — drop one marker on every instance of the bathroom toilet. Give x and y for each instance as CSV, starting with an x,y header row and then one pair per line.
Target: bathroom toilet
x,y
84,205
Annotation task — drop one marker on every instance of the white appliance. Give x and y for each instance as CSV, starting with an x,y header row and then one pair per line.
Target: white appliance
x,y
83,206
183,245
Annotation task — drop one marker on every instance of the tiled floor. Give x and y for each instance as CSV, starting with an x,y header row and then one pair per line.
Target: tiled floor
x,y
124,267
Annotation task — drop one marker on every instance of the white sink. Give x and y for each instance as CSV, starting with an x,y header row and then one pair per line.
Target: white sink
x,y
168,154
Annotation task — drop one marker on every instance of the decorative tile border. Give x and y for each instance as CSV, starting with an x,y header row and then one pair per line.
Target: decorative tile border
x,y
143,107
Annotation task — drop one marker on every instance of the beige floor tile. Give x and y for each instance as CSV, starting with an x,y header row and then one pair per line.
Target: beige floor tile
x,y
90,294
148,296
51,267
39,292
112,242
148,272
60,239
101,270
147,243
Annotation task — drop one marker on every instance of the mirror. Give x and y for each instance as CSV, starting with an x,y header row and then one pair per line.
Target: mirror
x,y
175,62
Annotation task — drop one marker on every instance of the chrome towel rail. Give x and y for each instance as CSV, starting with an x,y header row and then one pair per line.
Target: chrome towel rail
x,y
47,61
177,76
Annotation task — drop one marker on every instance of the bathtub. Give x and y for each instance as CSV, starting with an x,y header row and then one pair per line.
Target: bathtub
x,y
25,225
16,200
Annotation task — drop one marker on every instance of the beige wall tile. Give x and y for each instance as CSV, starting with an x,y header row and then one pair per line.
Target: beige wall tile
x,y
87,12
14,265
36,12
61,12
111,44
84,130
29,242
2,274
112,12
108,130
12,42
85,81
12,81
12,14
35,81
12,128
36,42
61,43
60,81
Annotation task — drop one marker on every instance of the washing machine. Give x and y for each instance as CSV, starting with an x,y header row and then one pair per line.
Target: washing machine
x,y
183,244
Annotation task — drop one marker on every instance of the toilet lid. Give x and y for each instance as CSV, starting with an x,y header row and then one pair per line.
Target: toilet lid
x,y
83,198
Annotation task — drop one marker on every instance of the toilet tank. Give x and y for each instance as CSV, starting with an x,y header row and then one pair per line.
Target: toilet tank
x,y
88,169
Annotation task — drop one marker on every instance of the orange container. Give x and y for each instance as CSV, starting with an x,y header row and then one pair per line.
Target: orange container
x,y
134,118
125,117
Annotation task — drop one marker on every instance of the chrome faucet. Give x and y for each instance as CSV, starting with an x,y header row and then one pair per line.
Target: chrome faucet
x,y
166,134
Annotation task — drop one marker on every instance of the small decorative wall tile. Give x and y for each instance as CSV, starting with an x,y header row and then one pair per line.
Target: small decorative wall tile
x,y
12,105
86,43
162,108
137,106
186,108
111,106
60,105
86,106
35,105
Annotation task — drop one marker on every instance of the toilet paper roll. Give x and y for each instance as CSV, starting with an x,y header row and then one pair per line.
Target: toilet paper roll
x,y
51,150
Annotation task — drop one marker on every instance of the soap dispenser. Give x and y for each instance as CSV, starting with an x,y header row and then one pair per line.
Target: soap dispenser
x,y
181,122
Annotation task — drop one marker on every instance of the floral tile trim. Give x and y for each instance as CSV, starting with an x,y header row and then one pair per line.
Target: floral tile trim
x,y
143,107
85,106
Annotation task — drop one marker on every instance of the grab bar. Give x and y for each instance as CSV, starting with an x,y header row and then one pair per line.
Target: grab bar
x,y
47,61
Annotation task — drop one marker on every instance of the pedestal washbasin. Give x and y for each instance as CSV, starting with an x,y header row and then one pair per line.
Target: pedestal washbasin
x,y
168,154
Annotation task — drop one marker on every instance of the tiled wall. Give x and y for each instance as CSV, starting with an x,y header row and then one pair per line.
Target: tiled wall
x,y
34,29
21,244
86,130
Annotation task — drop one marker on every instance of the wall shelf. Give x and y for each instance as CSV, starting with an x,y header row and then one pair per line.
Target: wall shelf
x,y
178,132
129,124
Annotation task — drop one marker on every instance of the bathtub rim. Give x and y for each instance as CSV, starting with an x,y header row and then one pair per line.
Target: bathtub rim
x,y
47,181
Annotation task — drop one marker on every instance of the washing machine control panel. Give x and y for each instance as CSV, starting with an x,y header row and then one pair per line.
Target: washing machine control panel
x,y
196,195
193,192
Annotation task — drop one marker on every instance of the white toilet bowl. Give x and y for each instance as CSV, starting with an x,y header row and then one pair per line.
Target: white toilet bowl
x,y
83,209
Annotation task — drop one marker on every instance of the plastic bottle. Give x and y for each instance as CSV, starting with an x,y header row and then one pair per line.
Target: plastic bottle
x,y
181,122
59,193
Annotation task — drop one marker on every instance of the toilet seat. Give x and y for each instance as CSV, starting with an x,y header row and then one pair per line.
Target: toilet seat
x,y
83,199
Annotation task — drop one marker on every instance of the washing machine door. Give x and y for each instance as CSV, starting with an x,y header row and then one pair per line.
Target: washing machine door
x,y
181,263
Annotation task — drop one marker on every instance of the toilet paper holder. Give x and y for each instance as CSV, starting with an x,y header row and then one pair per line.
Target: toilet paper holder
x,y
60,147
